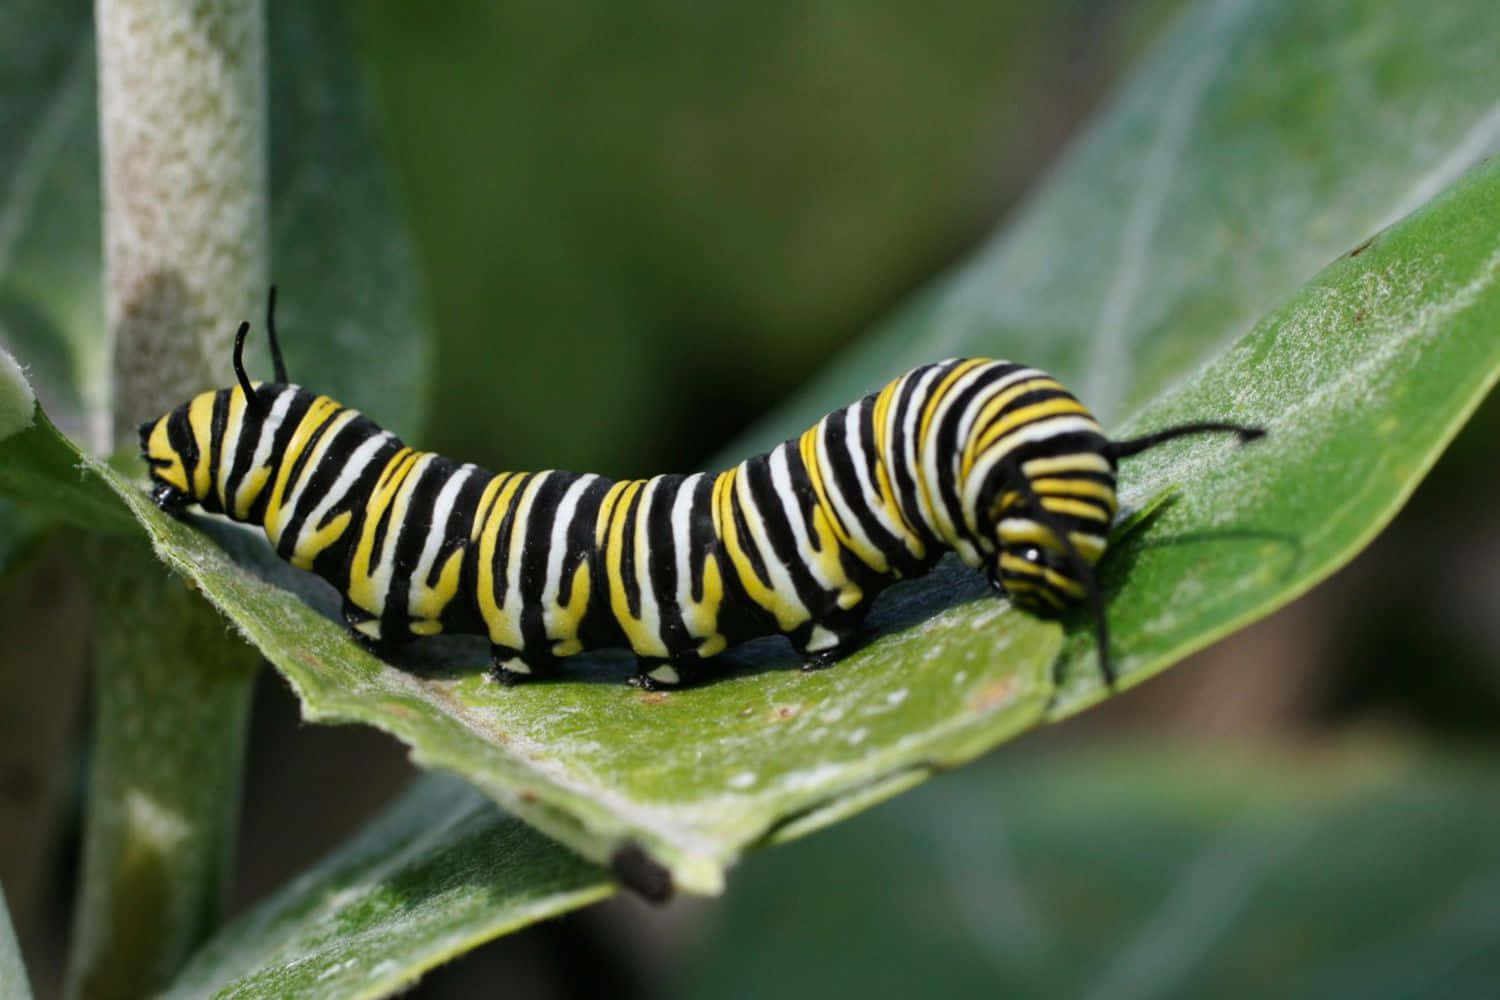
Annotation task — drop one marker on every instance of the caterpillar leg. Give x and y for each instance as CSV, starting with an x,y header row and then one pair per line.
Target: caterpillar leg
x,y
169,499
656,674
512,666
364,627
823,645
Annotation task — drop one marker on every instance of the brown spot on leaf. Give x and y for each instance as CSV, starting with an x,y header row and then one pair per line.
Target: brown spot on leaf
x,y
993,695
654,698
783,712
1361,248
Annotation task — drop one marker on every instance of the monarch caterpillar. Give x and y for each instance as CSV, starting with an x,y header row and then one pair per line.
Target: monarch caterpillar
x,y
991,459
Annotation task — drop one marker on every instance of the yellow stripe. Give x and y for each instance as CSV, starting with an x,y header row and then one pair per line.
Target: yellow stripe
x,y
504,630
429,601
1075,487
1078,461
318,413
614,561
1019,418
1076,508
866,551
232,423
995,406
201,420
725,496
158,446
486,498
569,618
882,473
938,392
362,590
827,529
310,546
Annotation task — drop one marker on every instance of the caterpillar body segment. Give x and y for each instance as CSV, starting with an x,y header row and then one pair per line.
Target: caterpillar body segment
x,y
991,459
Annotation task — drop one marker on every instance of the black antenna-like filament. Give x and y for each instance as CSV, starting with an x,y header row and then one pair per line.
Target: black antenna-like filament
x,y
1134,446
239,366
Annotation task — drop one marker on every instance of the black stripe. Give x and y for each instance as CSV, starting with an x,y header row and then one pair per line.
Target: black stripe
x,y
535,549
295,412
703,541
946,444
779,530
180,438
252,420
842,454
742,533
903,477
661,566
322,478
502,540
411,538
598,627
627,548
217,424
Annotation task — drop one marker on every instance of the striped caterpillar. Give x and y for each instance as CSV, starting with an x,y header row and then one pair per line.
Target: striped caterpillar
x,y
993,460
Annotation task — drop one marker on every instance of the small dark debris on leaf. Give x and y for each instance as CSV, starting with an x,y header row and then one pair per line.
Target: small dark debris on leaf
x,y
638,872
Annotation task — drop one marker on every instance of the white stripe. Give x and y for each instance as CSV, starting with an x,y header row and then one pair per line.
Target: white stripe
x,y
227,448
930,458
863,456
309,468
909,444
437,532
268,430
385,568
650,616
781,478
864,546
781,580
557,551
513,601
966,424
699,624
353,468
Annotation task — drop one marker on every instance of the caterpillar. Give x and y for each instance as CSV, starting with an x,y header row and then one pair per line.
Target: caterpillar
x,y
993,460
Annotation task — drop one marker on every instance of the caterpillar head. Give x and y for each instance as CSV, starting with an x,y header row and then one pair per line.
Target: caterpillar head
x,y
176,447
1051,529
1039,572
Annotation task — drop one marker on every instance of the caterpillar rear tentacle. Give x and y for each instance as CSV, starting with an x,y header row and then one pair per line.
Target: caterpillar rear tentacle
x,y
991,459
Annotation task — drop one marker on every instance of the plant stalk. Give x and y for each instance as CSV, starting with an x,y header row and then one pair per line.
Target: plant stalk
x,y
183,132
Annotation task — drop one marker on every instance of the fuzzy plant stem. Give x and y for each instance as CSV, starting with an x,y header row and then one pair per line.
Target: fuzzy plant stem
x,y
182,99
182,105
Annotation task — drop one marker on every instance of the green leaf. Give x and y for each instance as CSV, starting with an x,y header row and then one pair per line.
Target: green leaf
x,y
17,402
1149,249
1132,874
13,982
438,873
171,698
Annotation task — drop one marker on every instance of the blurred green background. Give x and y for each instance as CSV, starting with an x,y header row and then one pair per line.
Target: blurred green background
x,y
675,211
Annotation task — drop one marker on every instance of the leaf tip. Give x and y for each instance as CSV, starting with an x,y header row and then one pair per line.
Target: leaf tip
x,y
17,401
